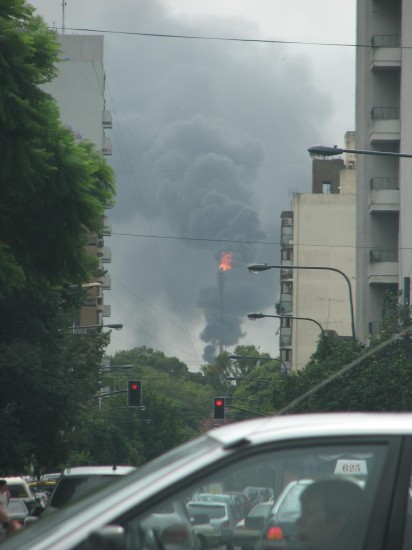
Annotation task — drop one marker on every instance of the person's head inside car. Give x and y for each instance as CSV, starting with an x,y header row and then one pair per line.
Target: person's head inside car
x,y
332,515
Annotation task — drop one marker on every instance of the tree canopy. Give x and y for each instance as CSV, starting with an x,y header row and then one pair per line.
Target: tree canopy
x,y
54,189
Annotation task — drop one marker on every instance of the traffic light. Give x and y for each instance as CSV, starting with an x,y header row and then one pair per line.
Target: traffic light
x,y
219,408
134,393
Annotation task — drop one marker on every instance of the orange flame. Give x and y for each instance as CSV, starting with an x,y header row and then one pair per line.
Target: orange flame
x,y
226,261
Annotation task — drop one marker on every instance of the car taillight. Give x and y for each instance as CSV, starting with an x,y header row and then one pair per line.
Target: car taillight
x,y
175,534
274,533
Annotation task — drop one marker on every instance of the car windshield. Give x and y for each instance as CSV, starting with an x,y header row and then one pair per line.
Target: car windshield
x,y
17,490
213,512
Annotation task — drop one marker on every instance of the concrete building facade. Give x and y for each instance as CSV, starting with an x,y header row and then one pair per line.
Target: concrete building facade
x,y
318,231
79,90
384,190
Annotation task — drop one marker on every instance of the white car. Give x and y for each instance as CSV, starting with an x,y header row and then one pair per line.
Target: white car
x,y
265,452
20,490
214,522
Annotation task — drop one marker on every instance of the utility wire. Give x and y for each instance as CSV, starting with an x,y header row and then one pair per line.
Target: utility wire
x,y
243,241
224,38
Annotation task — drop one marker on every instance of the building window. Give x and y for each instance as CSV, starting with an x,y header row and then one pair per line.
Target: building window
x,y
286,355
326,187
286,322
287,288
287,254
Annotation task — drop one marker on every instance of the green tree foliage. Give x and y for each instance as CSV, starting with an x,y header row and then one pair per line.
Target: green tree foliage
x,y
54,189
47,375
381,381
255,392
176,403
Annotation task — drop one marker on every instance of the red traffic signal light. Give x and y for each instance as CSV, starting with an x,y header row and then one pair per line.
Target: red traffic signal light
x,y
134,393
219,408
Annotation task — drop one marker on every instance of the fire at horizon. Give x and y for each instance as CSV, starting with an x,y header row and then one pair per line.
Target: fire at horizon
x,y
226,259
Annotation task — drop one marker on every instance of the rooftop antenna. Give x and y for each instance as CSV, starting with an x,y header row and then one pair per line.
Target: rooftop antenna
x,y
63,6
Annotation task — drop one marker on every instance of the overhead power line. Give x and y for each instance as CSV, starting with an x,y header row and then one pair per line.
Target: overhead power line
x,y
244,241
218,38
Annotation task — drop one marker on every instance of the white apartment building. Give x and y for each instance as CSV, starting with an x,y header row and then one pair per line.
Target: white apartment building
x,y
384,189
318,231
79,90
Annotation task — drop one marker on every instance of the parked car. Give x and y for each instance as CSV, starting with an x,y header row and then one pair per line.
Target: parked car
x,y
75,483
249,530
214,522
262,452
46,487
51,477
280,525
19,489
236,498
258,494
43,490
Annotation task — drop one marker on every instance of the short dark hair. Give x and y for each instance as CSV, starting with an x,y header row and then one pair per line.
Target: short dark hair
x,y
3,482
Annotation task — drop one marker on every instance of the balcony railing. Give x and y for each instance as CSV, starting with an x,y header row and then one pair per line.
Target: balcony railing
x,y
285,307
382,183
386,40
286,274
377,255
385,113
285,340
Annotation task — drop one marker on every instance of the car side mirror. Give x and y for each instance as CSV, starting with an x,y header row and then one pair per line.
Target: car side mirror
x,y
109,537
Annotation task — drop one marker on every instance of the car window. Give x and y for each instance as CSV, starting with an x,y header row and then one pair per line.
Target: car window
x,y
344,474
72,488
18,490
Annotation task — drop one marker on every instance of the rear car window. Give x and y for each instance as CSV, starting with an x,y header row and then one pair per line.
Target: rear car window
x,y
72,488
18,491
213,512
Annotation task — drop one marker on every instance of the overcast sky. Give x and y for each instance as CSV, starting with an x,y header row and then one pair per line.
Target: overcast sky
x,y
209,144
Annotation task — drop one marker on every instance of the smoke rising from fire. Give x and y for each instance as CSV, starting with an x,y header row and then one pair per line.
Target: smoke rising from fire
x,y
208,140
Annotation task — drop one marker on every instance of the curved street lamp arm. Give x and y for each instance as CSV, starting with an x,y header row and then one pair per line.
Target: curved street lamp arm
x,y
254,316
256,268
319,151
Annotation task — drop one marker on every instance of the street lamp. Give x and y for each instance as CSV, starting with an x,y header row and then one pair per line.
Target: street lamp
x,y
115,326
257,268
322,151
254,316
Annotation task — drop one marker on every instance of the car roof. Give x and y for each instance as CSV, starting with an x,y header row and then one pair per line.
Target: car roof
x,y
15,480
98,470
312,425
208,503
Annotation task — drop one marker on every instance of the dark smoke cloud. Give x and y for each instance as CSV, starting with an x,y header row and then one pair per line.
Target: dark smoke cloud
x,y
207,162
208,139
